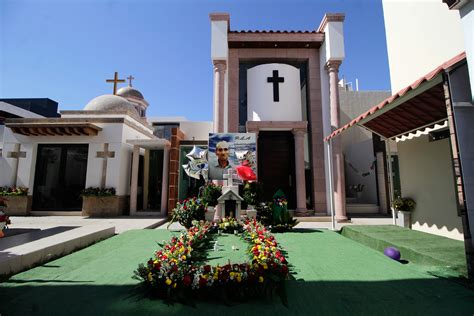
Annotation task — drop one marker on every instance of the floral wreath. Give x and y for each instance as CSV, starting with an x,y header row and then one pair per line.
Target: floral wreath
x,y
175,271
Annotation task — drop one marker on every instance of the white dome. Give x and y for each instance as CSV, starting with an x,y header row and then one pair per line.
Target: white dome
x,y
130,92
109,102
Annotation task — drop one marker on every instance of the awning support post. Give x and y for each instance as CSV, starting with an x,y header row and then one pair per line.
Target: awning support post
x,y
390,179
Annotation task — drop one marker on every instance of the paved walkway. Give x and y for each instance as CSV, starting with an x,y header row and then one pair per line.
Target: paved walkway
x,y
121,224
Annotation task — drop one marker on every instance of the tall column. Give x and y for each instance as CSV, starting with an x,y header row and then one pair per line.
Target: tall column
x,y
164,182
219,78
332,68
300,175
134,188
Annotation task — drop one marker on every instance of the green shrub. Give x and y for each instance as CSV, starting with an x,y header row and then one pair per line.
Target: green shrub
x,y
252,193
13,191
210,193
95,191
404,204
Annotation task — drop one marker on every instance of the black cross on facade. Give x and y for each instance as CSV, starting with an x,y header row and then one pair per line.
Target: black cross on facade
x,y
275,80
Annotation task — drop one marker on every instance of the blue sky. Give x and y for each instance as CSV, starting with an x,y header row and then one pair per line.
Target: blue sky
x,y
64,50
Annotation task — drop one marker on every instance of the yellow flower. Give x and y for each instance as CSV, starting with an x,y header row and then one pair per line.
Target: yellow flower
x,y
168,282
150,277
265,266
183,257
174,285
260,279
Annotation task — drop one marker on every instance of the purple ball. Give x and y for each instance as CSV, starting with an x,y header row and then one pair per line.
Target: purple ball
x,y
392,253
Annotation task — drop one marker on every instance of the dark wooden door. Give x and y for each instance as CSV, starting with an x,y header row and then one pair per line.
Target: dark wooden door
x,y
60,177
276,164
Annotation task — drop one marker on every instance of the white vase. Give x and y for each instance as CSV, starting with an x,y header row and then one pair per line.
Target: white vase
x,y
209,215
404,219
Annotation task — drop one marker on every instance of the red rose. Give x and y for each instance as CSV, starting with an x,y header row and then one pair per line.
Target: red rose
x,y
202,282
187,280
207,268
157,266
284,269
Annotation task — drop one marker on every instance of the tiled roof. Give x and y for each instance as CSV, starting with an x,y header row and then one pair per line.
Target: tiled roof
x,y
425,108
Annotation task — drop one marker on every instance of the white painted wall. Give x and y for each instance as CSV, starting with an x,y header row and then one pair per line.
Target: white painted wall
x,y
219,47
426,175
260,104
421,35
334,49
467,21
357,144
198,130
118,168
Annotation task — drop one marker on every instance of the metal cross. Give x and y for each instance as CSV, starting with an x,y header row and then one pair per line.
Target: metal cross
x,y
115,81
130,78
16,154
275,80
229,177
106,154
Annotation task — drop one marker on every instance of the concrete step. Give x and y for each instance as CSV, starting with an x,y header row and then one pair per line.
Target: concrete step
x,y
362,208
41,248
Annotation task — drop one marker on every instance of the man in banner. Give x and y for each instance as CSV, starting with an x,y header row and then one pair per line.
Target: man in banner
x,y
217,170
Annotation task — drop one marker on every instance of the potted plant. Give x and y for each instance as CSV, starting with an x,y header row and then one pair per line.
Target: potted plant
x,y
209,195
357,189
4,219
187,211
100,202
252,194
404,207
19,202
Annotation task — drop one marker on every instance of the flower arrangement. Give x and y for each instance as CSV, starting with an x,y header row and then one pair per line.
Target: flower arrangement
x,y
187,211
280,201
210,193
176,272
96,191
4,219
229,225
357,187
3,202
13,191
404,204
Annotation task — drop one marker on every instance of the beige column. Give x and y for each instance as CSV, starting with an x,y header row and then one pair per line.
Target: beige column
x,y
134,187
219,78
164,181
332,68
299,170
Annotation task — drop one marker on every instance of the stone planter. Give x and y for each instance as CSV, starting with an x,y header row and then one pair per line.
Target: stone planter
x,y
209,215
404,219
18,205
103,206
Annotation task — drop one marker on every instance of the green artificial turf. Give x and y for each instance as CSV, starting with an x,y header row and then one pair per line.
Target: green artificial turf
x,y
436,254
224,251
333,275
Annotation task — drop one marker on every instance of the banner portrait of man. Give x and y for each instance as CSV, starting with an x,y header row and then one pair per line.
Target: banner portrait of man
x,y
232,150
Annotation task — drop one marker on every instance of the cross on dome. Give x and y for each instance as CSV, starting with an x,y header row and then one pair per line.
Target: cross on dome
x,y
115,81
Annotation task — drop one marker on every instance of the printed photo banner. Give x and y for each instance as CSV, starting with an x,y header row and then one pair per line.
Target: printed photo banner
x,y
232,150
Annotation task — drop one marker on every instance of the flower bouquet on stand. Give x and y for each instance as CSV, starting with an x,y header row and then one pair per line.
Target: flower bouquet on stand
x,y
187,211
